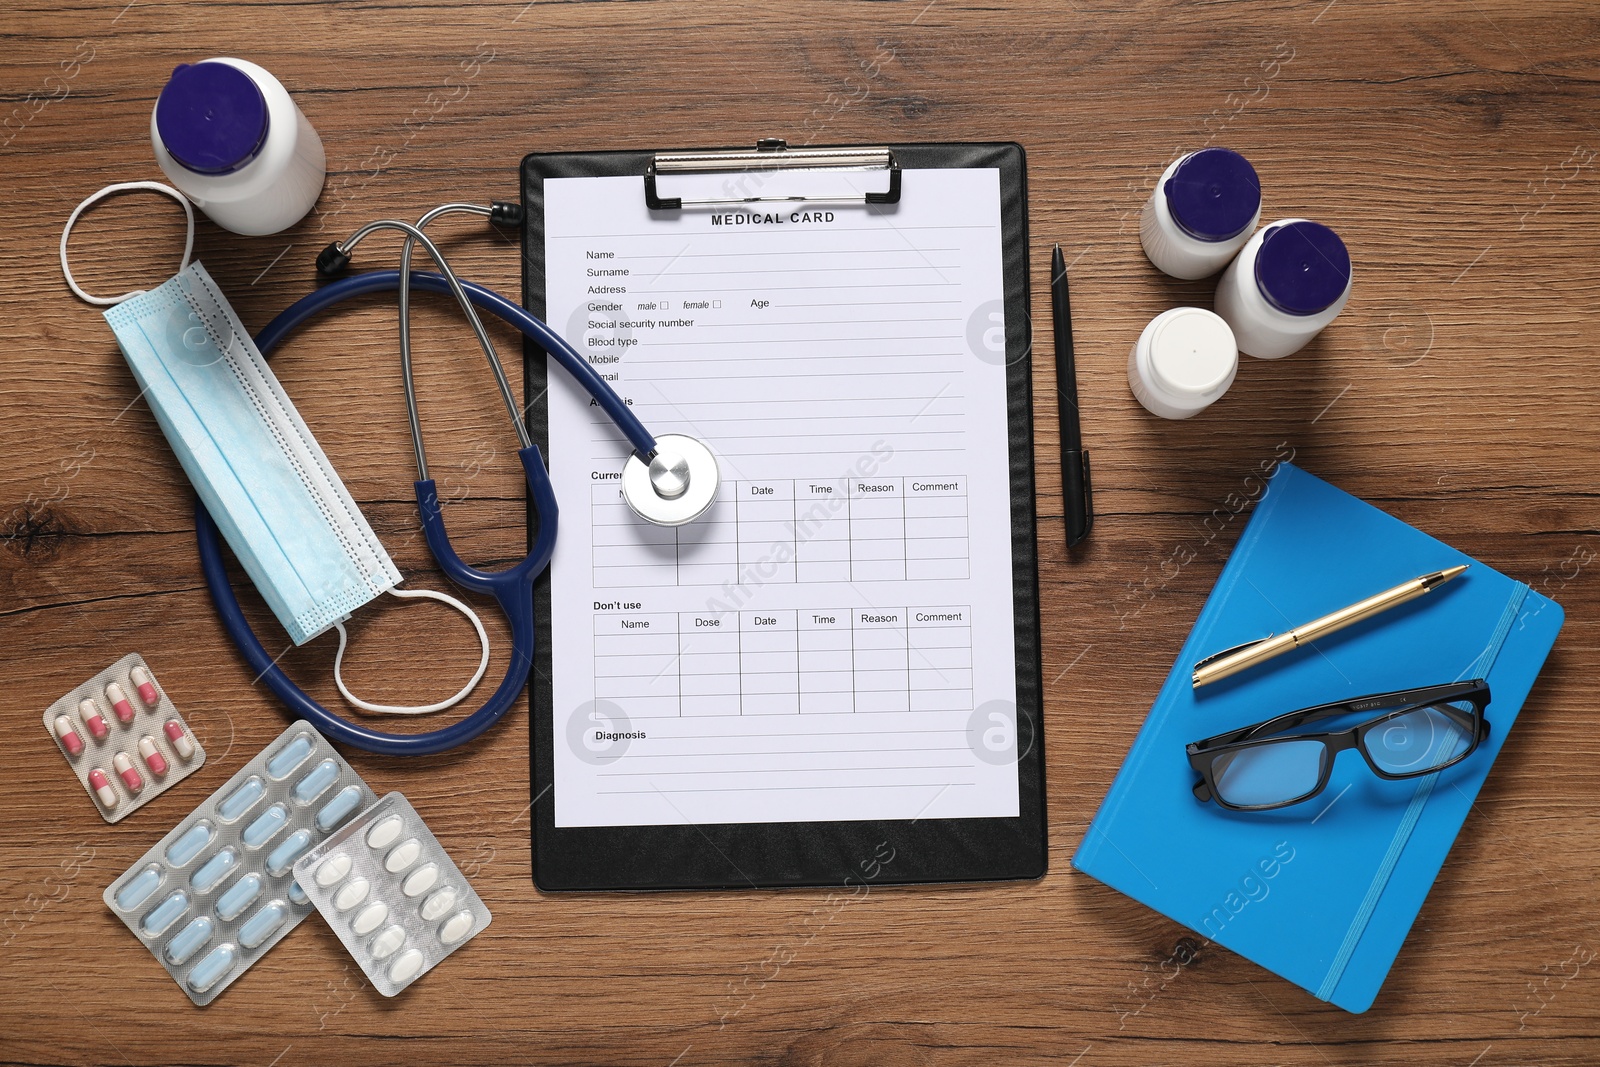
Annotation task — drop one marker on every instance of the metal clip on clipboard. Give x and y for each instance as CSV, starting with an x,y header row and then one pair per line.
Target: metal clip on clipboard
x,y
770,154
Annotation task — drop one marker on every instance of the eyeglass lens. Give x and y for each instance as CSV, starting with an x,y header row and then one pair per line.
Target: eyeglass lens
x,y
1421,739
1278,773
1287,770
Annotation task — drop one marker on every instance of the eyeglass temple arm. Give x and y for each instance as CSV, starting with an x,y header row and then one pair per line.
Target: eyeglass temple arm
x,y
1381,701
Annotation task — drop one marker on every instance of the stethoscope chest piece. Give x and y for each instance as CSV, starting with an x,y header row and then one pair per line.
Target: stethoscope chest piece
x,y
676,486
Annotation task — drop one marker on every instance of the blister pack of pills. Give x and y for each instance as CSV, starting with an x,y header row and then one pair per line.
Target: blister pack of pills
x,y
124,738
218,891
392,894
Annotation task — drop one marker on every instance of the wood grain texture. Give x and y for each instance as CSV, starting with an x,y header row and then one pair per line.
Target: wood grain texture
x,y
1453,146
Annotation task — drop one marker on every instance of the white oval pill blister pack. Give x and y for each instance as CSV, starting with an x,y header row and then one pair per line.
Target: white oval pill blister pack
x,y
392,894
123,737
218,891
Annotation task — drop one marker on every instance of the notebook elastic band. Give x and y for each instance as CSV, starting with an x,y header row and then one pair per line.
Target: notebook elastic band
x,y
1480,668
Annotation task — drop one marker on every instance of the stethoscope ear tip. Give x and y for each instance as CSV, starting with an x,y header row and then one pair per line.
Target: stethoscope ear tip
x,y
332,261
505,213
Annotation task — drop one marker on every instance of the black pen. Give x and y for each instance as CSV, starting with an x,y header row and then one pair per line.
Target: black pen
x,y
1076,490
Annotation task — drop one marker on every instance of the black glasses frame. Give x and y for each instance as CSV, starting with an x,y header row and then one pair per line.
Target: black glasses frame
x,y
1204,753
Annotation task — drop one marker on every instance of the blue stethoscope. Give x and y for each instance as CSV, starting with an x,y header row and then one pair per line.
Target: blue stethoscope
x,y
669,481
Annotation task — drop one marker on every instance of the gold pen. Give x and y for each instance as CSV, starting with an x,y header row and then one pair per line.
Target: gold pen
x,y
1219,666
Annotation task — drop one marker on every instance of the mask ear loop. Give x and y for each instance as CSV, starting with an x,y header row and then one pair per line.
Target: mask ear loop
x,y
123,187
398,709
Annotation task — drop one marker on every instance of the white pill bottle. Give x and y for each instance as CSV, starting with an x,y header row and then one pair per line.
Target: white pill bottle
x,y
227,133
1289,281
1203,210
1182,363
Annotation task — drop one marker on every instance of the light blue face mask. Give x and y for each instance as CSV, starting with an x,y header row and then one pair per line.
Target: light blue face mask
x,y
263,477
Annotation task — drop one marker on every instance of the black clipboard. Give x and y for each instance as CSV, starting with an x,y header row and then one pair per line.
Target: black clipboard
x,y
763,855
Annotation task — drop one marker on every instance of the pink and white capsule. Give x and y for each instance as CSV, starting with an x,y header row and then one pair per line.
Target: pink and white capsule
x,y
69,736
119,702
102,788
152,756
147,689
179,738
122,763
92,718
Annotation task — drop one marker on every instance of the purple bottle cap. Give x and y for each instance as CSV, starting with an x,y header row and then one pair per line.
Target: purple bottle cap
x,y
1214,194
211,117
1302,267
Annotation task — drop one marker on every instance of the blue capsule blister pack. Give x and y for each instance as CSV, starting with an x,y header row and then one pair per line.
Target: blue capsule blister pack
x,y
218,891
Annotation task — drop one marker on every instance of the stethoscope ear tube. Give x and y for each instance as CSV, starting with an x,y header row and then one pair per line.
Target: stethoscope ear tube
x,y
539,553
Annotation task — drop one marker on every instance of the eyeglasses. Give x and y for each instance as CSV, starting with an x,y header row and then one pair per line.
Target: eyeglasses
x,y
1427,730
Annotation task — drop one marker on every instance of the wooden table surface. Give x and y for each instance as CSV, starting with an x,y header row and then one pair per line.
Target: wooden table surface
x,y
1452,144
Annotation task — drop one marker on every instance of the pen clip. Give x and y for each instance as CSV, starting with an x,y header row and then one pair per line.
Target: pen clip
x,y
1215,656
1088,496
1078,494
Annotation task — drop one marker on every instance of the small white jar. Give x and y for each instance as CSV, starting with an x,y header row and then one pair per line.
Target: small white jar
x,y
1289,282
1183,362
1200,213
230,137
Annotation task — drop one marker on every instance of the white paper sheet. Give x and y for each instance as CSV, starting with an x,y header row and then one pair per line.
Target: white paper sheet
x,y
834,639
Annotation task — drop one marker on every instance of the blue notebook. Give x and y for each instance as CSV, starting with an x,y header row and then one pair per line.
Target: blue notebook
x,y
1323,892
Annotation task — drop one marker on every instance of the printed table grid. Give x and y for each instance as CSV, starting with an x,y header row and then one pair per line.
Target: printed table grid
x,y
784,662
799,530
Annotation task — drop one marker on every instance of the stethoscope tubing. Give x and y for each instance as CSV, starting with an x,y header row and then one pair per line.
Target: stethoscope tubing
x,y
511,588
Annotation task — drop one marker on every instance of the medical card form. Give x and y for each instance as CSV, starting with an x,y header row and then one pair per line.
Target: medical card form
x,y
834,639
